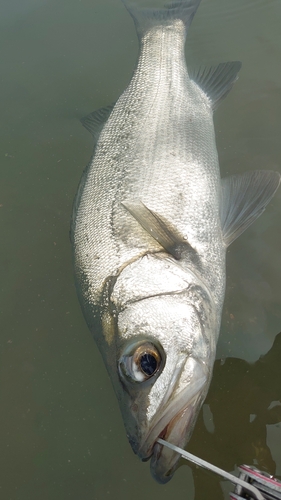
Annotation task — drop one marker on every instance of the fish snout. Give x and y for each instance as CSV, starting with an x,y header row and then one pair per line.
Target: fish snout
x,y
174,424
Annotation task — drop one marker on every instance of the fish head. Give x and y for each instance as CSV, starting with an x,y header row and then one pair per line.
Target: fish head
x,y
164,354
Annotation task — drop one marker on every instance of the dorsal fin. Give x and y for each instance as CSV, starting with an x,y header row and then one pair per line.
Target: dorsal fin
x,y
244,198
216,81
95,121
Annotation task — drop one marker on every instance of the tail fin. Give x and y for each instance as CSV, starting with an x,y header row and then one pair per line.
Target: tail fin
x,y
145,19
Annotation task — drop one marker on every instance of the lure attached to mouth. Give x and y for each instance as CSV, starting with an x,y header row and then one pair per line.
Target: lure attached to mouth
x,y
177,431
249,474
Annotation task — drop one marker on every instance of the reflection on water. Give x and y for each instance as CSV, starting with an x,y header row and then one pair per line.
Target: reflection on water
x,y
62,436
242,401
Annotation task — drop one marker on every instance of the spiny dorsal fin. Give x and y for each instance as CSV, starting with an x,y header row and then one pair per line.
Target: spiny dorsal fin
x,y
216,81
167,237
244,198
95,121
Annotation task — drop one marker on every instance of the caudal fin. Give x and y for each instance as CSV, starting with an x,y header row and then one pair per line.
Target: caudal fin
x,y
147,18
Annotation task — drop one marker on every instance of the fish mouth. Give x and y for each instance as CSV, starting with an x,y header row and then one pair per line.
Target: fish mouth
x,y
164,460
174,426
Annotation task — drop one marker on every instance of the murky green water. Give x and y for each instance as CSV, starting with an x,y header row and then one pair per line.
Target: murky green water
x,y
61,433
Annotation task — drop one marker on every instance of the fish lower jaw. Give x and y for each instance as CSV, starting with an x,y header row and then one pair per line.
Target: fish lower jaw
x,y
174,431
164,460
150,452
174,422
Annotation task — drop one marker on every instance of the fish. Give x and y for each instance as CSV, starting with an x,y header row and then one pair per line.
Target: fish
x,y
151,223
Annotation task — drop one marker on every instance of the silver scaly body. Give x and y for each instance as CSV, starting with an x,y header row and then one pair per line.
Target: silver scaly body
x,y
152,221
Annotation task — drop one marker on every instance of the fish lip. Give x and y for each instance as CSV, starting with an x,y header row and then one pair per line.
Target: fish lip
x,y
166,423
164,460
168,427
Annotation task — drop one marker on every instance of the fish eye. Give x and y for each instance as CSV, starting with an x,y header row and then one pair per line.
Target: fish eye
x,y
141,362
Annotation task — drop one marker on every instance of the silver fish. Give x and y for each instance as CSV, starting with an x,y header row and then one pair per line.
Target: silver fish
x,y
151,223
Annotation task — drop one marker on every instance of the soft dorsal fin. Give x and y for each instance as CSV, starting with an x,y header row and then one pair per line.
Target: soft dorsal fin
x,y
156,227
95,121
244,198
216,81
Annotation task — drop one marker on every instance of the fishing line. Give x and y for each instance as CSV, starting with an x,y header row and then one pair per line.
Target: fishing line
x,y
206,465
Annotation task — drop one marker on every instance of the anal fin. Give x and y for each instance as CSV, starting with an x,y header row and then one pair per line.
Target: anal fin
x,y
95,121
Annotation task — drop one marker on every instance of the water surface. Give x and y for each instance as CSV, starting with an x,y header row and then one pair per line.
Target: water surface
x,y
61,433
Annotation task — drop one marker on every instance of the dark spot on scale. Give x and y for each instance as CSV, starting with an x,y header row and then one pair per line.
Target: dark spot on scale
x,y
134,408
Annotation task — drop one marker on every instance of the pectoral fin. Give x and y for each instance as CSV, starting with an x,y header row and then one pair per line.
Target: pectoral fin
x,y
244,198
166,236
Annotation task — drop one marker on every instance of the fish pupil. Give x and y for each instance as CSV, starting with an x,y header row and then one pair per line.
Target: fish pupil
x,y
148,364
